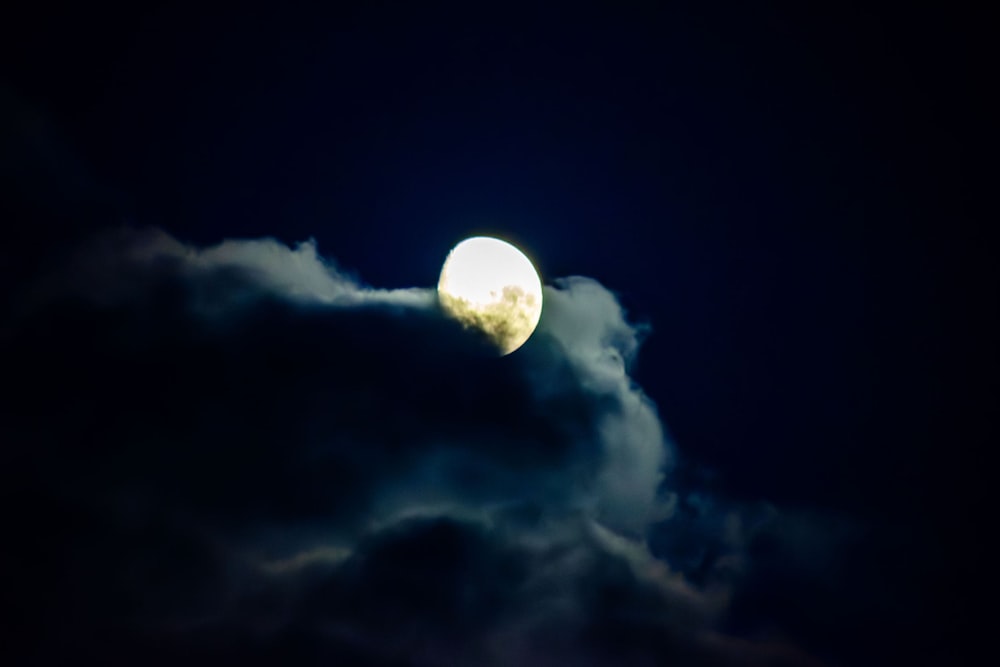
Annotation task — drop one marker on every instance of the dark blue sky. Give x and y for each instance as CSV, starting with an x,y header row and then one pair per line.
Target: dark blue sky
x,y
780,192
784,194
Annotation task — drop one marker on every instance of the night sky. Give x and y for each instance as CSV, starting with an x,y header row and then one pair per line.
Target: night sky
x,y
750,429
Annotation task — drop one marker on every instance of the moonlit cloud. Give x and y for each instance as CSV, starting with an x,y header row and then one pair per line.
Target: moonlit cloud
x,y
260,447
590,327
119,265
584,322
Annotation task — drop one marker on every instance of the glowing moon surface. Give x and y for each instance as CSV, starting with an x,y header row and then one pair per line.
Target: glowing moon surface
x,y
489,284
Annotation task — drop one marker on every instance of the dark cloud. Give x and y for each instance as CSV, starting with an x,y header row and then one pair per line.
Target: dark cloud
x,y
243,451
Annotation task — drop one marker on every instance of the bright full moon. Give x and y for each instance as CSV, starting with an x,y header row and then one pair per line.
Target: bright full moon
x,y
489,284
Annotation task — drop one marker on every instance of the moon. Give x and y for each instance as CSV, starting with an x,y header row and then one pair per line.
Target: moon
x,y
492,286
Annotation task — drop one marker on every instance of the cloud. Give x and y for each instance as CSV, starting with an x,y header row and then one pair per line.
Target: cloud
x,y
604,443
514,589
590,327
243,450
121,264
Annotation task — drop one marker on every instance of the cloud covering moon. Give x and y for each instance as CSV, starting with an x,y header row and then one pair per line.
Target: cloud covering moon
x,y
247,449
